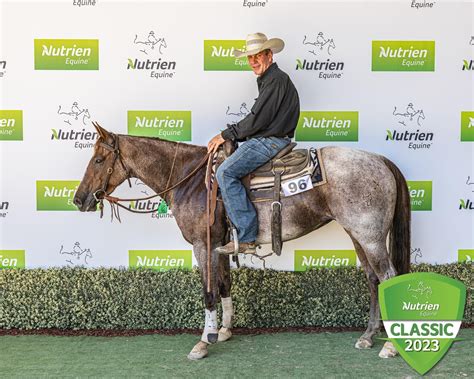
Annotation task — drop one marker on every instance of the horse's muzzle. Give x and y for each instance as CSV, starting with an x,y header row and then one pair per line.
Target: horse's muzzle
x,y
85,203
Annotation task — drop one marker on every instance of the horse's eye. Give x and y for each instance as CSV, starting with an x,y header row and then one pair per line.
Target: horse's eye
x,y
98,160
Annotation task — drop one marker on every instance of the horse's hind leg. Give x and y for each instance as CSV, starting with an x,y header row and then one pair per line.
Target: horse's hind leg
x,y
366,340
224,284
379,260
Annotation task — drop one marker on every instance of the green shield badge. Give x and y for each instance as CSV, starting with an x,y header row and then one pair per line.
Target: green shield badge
x,y
422,314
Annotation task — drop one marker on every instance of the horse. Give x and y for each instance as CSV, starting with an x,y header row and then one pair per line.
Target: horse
x,y
365,193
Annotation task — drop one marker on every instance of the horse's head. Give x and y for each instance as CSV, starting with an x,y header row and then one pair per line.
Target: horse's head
x,y
103,174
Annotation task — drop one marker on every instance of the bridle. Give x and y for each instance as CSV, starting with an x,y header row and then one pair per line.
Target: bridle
x,y
116,150
101,194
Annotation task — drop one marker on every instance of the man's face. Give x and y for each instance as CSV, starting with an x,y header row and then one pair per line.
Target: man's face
x,y
261,61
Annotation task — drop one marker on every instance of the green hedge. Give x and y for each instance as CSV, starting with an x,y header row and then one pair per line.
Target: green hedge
x,y
142,299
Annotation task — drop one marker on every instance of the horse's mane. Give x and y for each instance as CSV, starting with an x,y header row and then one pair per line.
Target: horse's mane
x,y
152,139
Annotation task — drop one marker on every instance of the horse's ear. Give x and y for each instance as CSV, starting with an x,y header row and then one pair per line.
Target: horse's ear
x,y
100,131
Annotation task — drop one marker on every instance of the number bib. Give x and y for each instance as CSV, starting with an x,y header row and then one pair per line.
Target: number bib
x,y
298,185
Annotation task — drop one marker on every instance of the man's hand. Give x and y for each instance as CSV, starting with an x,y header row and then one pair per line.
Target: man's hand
x,y
214,143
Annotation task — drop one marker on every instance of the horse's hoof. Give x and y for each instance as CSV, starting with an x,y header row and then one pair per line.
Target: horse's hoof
x,y
388,350
224,334
199,351
363,343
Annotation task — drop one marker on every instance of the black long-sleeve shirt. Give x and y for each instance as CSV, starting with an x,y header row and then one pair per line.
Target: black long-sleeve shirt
x,y
275,112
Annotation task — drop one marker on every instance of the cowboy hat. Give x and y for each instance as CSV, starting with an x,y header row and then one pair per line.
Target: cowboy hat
x,y
258,42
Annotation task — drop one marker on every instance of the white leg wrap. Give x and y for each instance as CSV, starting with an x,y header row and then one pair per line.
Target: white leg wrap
x,y
209,335
227,312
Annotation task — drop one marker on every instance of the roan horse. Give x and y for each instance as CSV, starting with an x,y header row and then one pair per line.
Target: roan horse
x,y
365,193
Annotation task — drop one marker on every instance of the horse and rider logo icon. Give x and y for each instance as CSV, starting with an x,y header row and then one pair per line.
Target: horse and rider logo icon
x,y
237,115
410,116
320,43
420,293
77,256
75,114
148,43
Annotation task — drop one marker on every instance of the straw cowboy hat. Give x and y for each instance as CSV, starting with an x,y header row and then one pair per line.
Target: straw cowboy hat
x,y
258,42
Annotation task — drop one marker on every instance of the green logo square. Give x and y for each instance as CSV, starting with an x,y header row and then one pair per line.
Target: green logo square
x,y
160,260
56,195
420,195
328,126
169,125
403,55
66,54
11,125
307,259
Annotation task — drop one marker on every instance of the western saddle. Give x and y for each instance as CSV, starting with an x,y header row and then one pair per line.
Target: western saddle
x,y
264,184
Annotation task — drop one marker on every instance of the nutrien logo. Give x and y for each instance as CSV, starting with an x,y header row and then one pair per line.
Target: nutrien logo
x,y
56,195
466,255
467,126
411,117
307,259
403,55
4,205
3,68
151,48
420,4
66,54
468,203
12,259
75,117
318,50
11,125
422,313
76,255
328,126
219,56
420,195
170,125
160,260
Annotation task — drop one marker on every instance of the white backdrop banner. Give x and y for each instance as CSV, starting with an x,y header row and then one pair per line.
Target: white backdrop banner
x,y
391,77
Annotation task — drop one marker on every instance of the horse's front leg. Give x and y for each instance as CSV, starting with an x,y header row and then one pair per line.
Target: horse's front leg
x,y
224,284
210,332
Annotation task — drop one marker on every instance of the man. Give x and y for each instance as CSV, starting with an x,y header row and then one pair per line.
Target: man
x,y
266,130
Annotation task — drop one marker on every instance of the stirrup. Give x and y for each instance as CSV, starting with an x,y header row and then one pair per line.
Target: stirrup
x,y
236,241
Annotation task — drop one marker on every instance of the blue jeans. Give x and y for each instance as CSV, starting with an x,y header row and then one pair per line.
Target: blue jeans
x,y
250,155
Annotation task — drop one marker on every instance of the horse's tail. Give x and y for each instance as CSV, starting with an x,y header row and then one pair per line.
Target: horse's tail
x,y
400,229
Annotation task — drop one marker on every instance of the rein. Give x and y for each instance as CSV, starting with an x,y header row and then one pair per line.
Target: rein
x,y
115,201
